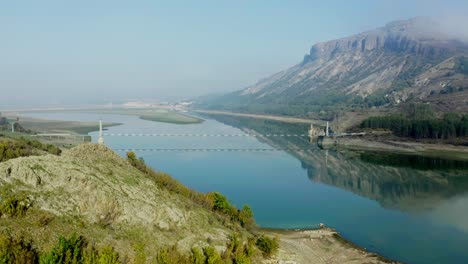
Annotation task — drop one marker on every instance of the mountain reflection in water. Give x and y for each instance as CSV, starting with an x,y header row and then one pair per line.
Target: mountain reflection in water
x,y
408,183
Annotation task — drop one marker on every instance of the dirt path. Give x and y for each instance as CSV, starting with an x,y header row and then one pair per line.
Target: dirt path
x,y
268,117
323,245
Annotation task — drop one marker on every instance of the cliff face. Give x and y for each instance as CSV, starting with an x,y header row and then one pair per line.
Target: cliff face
x,y
411,37
378,67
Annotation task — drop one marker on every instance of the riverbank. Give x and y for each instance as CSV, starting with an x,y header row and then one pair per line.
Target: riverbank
x,y
323,245
405,147
39,125
65,134
164,115
285,119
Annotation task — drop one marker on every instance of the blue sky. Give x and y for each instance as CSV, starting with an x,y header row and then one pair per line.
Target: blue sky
x,y
76,52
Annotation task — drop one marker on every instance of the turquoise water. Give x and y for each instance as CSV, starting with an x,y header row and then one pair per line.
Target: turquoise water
x,y
406,208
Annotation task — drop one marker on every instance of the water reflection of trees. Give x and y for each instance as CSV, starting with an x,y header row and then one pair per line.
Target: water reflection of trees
x,y
403,182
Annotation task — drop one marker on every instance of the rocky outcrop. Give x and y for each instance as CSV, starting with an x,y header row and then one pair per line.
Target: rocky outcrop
x,y
412,37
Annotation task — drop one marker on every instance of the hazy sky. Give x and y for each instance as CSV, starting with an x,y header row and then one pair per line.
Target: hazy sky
x,y
96,51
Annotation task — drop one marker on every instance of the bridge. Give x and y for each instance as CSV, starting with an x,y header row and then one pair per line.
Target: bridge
x,y
202,135
321,135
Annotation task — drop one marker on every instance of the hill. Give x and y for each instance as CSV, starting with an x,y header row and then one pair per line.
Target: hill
x,y
92,192
403,62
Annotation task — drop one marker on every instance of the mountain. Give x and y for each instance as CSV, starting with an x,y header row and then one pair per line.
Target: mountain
x,y
405,61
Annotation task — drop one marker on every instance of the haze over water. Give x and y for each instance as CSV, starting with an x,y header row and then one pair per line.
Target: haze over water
x,y
402,210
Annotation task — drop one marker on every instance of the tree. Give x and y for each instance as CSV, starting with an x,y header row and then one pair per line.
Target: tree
x,y
246,217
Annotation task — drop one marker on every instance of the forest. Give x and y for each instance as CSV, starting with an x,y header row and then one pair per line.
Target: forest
x,y
421,122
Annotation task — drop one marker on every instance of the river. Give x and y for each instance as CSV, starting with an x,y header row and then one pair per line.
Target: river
x,y
408,208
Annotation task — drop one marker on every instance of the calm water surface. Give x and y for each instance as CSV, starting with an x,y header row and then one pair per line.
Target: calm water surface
x,y
408,208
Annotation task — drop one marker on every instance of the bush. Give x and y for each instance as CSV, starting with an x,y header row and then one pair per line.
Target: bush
x,y
221,204
10,149
171,255
67,251
197,256
237,251
107,255
246,217
13,206
75,250
17,251
267,245
212,256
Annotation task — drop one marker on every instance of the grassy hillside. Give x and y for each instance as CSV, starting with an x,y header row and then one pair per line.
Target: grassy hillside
x,y
89,205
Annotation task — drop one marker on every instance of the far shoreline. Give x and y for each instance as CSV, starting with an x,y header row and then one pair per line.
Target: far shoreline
x,y
435,150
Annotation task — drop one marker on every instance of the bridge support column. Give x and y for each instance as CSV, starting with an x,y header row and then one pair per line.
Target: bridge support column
x,y
101,138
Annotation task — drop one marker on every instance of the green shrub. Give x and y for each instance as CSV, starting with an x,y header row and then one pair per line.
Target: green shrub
x,y
221,204
171,255
250,247
267,245
13,206
17,251
197,256
10,149
246,217
107,255
140,255
242,259
212,256
75,250
67,251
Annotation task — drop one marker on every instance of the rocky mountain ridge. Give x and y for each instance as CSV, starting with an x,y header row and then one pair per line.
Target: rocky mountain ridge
x,y
404,61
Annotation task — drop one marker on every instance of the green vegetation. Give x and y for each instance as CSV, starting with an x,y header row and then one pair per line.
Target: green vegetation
x,y
214,201
421,123
72,250
267,245
13,206
237,252
77,250
22,147
53,126
17,251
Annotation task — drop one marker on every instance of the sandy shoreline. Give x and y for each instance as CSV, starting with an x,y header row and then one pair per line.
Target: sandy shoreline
x,y
323,245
